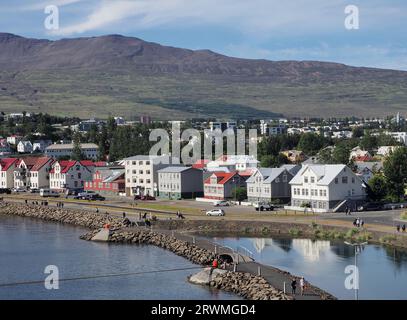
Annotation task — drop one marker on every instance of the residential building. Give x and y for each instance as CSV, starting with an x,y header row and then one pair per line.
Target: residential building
x,y
41,145
4,147
145,119
267,184
24,146
218,125
294,156
234,163
357,154
89,150
33,172
384,151
269,128
69,175
222,185
7,166
142,176
14,139
180,182
107,181
325,188
399,136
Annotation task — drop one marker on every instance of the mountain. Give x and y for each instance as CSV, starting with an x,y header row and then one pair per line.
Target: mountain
x,y
124,75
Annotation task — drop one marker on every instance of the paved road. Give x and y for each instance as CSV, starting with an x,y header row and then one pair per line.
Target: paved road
x,y
389,217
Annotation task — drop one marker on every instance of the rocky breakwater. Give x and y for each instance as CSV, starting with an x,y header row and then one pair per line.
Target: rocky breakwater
x,y
245,285
144,236
82,218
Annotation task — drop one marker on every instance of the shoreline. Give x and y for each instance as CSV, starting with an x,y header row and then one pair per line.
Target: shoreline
x,y
236,282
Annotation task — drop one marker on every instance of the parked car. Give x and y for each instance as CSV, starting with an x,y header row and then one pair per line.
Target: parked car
x,y
34,190
261,206
19,190
147,198
371,206
49,193
221,203
215,212
83,195
95,197
5,190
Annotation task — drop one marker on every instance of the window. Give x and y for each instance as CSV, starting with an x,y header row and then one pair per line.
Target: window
x,y
312,179
344,179
353,179
305,179
285,178
336,180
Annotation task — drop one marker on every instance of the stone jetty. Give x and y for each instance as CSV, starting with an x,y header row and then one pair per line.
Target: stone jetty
x,y
241,283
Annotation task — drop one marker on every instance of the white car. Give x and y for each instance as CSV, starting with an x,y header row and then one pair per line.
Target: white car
x,y
261,206
215,212
221,203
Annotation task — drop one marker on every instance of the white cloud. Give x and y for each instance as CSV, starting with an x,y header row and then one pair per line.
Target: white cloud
x,y
43,4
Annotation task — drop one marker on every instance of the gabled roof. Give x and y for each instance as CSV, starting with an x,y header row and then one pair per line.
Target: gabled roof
x,y
222,177
35,163
325,173
200,164
269,174
6,163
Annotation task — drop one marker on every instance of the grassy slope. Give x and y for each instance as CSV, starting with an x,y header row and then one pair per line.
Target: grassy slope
x,y
177,97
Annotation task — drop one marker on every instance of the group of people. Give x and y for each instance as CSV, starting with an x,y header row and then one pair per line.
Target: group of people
x,y
402,228
43,203
60,204
348,211
359,223
294,285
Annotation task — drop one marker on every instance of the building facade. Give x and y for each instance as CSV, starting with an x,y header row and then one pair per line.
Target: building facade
x,y
222,185
180,182
89,150
267,184
32,173
325,188
141,174
108,181
7,166
69,175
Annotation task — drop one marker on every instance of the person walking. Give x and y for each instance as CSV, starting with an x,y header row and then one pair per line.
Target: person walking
x,y
398,228
403,228
124,215
293,285
214,266
302,285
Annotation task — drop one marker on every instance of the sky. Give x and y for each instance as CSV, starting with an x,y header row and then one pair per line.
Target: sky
x,y
254,29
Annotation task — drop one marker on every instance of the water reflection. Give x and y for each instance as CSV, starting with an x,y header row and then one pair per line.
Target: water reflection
x,y
383,270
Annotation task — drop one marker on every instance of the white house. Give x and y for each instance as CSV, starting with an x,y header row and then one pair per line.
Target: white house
x,y
89,150
24,146
14,139
266,184
384,151
141,174
33,172
7,166
69,175
399,136
40,145
234,163
325,188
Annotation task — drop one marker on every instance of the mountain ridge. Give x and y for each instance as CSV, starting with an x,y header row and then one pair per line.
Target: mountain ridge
x,y
28,65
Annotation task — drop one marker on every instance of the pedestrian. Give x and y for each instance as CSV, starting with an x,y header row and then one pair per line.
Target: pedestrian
x,y
26,201
214,266
293,285
302,285
97,210
403,228
398,228
346,210
354,222
362,223
124,215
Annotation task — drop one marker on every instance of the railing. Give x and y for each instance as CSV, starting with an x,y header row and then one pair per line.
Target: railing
x,y
244,251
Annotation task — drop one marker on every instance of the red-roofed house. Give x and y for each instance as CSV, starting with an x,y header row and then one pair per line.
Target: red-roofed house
x,y
221,185
70,174
107,181
7,166
33,172
200,164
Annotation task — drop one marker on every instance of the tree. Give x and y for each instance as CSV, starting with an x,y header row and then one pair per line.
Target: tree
x,y
395,171
357,132
368,142
272,161
77,151
340,154
378,189
311,143
241,194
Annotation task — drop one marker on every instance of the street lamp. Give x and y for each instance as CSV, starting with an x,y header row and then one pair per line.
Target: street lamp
x,y
356,246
